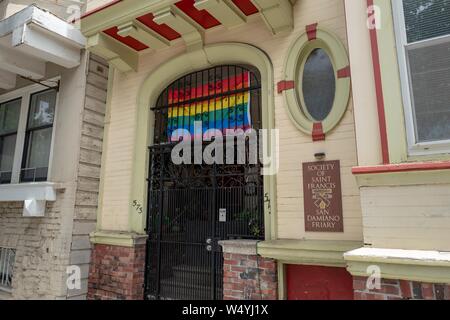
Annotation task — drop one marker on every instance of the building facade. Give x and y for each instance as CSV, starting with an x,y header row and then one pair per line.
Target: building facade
x,y
245,149
358,205
52,106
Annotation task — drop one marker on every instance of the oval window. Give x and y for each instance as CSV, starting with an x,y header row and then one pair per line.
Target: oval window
x,y
318,85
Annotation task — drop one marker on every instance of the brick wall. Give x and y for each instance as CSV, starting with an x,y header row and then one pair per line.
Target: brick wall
x,y
247,276
400,290
42,248
117,273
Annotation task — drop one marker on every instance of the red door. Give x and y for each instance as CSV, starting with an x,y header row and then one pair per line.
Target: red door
x,y
318,283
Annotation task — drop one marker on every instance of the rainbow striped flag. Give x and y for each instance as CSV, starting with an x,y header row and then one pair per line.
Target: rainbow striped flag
x,y
226,112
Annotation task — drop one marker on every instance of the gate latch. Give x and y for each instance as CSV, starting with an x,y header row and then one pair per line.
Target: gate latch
x,y
213,244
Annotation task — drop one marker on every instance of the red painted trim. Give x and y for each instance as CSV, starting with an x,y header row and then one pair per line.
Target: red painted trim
x,y
162,29
285,85
129,41
379,91
202,17
110,4
317,132
403,167
311,31
246,6
344,73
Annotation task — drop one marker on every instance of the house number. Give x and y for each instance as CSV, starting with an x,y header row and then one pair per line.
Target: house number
x,y
138,207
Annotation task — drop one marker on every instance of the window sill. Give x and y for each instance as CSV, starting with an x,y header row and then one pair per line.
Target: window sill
x,y
414,265
34,195
415,173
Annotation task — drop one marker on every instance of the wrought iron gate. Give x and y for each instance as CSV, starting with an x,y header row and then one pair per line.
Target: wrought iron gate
x,y
193,206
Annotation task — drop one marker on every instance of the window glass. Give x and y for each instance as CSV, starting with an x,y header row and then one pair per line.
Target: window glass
x,y
42,109
7,260
9,116
39,148
38,136
9,121
318,85
430,86
426,19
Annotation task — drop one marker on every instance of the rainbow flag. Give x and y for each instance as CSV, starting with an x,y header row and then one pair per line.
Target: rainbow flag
x,y
226,112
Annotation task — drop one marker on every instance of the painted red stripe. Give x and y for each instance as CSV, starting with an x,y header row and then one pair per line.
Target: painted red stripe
x,y
129,41
344,73
285,85
311,31
317,132
403,167
202,17
163,29
379,91
246,6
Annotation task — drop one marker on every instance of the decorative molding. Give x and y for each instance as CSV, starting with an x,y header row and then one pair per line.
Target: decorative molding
x,y
178,21
224,11
285,85
116,238
403,167
344,73
317,132
140,32
311,31
121,57
403,174
277,14
308,252
293,70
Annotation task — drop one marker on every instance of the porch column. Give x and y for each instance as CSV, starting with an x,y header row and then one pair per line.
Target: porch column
x,y
247,276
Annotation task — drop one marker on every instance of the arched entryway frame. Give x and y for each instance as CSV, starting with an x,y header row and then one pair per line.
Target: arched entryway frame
x,y
154,84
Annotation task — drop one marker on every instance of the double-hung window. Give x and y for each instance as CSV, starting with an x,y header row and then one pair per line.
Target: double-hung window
x,y
26,130
423,42
9,123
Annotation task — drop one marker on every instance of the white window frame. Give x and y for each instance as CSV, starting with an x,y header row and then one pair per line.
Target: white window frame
x,y
25,94
414,148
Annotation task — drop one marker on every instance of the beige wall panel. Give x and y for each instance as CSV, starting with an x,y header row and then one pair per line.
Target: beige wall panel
x,y
407,217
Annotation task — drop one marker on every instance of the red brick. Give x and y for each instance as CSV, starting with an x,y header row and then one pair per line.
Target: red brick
x,y
116,272
405,287
427,291
359,284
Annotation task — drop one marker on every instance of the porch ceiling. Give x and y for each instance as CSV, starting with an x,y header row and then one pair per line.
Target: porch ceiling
x,y
122,29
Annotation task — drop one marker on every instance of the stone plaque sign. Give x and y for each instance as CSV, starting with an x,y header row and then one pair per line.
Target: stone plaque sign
x,y
323,196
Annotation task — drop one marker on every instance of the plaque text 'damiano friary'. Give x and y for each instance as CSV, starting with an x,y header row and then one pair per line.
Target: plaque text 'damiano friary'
x,y
323,196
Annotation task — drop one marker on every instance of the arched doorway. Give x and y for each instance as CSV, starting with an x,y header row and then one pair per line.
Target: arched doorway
x,y
195,204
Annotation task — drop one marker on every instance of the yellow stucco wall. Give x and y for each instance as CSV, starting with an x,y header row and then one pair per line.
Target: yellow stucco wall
x,y
295,146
